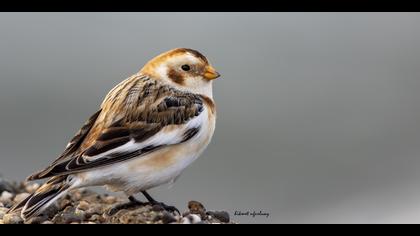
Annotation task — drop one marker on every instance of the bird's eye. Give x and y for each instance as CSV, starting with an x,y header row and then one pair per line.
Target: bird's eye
x,y
185,67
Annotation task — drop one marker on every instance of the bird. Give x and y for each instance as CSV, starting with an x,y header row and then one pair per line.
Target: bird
x,y
148,129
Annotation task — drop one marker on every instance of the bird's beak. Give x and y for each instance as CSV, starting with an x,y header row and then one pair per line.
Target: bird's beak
x,y
211,73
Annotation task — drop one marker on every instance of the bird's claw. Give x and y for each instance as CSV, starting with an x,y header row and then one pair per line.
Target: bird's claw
x,y
165,207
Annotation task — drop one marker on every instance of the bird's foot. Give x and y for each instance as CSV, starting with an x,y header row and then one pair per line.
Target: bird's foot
x,y
165,207
127,205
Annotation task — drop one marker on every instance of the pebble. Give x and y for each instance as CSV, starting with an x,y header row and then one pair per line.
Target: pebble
x,y
37,220
167,218
197,208
31,188
94,209
64,203
97,218
20,197
6,196
47,222
12,218
83,205
3,212
79,213
110,199
191,219
87,207
223,216
202,223
89,223
66,218
52,210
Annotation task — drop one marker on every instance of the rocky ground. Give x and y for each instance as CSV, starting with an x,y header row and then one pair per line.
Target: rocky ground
x,y
87,207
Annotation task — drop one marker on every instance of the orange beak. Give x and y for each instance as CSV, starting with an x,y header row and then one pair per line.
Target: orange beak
x,y
211,73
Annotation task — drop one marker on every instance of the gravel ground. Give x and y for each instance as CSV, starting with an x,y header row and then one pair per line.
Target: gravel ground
x,y
87,207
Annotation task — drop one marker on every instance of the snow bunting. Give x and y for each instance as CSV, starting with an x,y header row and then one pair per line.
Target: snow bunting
x,y
149,128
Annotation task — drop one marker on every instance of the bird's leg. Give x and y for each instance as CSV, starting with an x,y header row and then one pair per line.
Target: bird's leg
x,y
153,202
131,204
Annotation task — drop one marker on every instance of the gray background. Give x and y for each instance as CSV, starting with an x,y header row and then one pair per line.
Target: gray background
x,y
319,113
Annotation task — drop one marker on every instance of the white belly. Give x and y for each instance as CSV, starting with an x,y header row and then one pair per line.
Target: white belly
x,y
154,169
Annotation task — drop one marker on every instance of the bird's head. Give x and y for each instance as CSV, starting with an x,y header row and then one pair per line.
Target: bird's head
x,y
184,68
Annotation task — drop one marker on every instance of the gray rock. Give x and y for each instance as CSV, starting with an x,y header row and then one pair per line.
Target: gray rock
x,y
67,218
168,218
52,210
222,216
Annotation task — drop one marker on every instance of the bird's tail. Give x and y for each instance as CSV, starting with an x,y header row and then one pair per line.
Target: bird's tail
x,y
39,201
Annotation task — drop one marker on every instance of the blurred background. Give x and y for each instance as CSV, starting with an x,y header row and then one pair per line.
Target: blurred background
x,y
318,113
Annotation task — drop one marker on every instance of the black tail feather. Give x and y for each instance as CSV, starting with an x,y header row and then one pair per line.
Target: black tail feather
x,y
36,203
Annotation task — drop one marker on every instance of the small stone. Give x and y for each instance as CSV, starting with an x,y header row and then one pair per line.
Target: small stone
x,y
52,210
37,220
6,196
64,203
47,222
167,218
12,218
222,216
31,188
94,209
201,223
110,200
20,197
76,196
89,223
79,213
83,205
97,218
197,208
66,218
3,212
191,219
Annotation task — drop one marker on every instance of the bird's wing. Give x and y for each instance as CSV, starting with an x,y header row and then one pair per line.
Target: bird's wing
x,y
139,116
